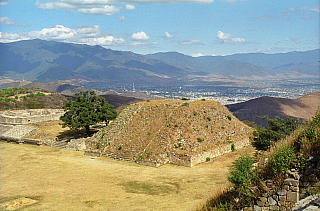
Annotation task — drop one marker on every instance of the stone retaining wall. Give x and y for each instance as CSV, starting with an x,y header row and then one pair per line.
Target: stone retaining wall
x,y
187,160
297,185
221,150
18,117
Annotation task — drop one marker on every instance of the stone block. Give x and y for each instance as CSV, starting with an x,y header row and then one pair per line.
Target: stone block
x,y
293,196
282,198
256,208
247,209
275,197
306,184
274,207
295,189
262,201
265,208
271,201
286,187
291,181
282,192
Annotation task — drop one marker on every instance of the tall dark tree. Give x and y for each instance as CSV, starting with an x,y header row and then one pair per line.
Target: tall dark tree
x,y
87,109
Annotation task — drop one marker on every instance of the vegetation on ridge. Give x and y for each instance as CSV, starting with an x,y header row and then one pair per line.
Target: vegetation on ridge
x,y
29,98
298,150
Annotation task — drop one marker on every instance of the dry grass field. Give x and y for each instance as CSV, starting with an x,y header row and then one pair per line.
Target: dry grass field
x,y
60,179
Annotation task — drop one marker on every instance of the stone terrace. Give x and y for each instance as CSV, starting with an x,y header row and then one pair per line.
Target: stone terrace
x,y
28,116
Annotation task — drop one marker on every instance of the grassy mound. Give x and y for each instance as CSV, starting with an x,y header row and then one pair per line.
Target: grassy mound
x,y
154,130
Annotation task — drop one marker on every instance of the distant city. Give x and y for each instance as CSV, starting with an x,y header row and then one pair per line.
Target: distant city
x,y
289,89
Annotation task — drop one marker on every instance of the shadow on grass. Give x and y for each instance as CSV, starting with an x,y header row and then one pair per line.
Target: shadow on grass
x,y
76,133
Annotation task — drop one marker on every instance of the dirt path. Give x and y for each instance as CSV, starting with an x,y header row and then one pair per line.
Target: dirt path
x,y
68,180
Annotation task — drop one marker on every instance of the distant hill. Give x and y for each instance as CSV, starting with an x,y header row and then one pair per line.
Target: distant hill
x,y
291,64
302,108
47,61
175,131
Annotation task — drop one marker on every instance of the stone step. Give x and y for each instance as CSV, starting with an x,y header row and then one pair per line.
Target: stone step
x,y
60,144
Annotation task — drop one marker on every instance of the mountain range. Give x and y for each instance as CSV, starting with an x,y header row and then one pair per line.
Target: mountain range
x,y
45,61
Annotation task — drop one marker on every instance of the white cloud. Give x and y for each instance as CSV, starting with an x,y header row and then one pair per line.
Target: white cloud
x,y
121,19
129,7
8,21
4,2
140,36
292,40
191,42
315,8
91,35
105,10
228,38
85,7
169,36
103,7
197,55
143,44
11,37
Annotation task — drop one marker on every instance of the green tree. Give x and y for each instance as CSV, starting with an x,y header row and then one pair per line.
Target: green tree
x,y
87,109
277,129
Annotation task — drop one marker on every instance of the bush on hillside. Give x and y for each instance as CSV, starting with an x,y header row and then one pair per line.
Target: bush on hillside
x,y
241,173
280,162
297,151
277,129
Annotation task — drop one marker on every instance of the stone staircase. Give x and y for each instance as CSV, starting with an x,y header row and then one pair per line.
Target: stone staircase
x,y
62,144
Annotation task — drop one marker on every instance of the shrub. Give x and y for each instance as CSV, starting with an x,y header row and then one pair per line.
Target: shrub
x,y
200,139
208,159
233,147
229,117
280,161
185,103
241,173
277,129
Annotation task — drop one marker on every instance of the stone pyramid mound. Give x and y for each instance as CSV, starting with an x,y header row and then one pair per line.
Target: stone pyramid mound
x,y
171,131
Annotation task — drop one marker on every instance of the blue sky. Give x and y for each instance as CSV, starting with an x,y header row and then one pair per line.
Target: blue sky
x,y
191,27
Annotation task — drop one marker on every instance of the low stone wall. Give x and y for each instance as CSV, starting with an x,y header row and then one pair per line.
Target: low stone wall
x,y
18,117
15,131
182,160
284,197
297,185
187,160
221,150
